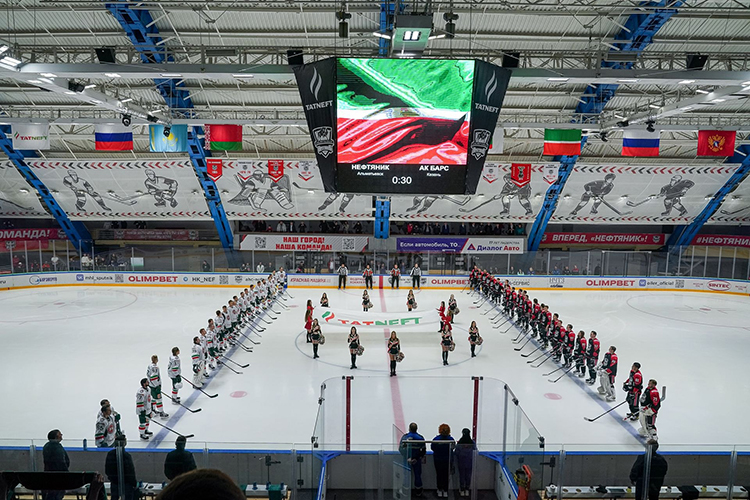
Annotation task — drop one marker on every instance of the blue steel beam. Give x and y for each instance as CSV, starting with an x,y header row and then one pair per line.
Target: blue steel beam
x,y
635,37
144,35
76,232
682,236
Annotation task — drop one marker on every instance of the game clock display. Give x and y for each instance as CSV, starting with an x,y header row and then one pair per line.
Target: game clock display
x,y
402,125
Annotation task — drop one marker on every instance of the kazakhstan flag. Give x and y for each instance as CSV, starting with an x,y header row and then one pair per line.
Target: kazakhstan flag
x,y
175,142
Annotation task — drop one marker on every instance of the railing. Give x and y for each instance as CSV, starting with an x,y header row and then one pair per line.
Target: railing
x,y
693,261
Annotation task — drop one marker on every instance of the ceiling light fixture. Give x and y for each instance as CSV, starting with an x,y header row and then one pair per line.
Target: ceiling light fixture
x,y
49,75
654,106
557,79
685,82
242,75
10,61
112,75
381,35
650,126
89,86
433,37
701,91
126,100
171,75
628,80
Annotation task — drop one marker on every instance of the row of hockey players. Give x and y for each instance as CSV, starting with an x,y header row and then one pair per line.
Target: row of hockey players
x,y
217,337
568,347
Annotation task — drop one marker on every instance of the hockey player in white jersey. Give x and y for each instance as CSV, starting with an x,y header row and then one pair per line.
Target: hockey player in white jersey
x,y
211,351
197,360
219,328
175,374
106,428
204,347
143,409
154,382
115,415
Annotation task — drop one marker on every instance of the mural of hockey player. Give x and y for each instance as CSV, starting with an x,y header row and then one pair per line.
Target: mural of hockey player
x,y
427,201
259,187
672,194
345,200
81,188
509,191
161,188
597,190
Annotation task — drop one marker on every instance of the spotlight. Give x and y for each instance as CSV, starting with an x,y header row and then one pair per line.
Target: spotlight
x,y
450,26
167,130
623,123
343,17
75,86
152,119
603,136
650,125
126,120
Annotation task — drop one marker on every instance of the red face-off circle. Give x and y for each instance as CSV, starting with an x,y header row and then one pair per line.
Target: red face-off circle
x,y
238,394
552,395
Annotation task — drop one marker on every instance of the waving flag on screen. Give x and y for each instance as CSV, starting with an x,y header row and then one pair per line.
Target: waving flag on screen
x,y
175,142
224,137
113,137
640,143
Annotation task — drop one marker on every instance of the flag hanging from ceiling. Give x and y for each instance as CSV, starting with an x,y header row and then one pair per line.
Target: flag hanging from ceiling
x,y
113,137
224,137
496,146
716,142
640,143
30,136
520,174
562,142
175,142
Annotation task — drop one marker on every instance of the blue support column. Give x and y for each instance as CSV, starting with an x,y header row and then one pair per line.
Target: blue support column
x,y
76,232
682,236
144,35
639,33
387,11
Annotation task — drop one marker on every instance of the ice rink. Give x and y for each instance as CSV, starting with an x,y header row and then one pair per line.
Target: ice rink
x,y
66,348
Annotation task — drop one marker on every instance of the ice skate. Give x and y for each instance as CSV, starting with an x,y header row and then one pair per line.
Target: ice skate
x,y
144,437
148,433
163,415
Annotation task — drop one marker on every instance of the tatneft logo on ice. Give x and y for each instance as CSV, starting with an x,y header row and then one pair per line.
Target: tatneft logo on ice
x,y
38,280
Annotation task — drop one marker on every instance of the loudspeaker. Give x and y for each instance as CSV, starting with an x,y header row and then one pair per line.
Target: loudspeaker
x,y
294,57
696,61
511,59
106,55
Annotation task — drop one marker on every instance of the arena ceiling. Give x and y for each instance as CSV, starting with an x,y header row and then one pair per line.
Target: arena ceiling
x,y
232,58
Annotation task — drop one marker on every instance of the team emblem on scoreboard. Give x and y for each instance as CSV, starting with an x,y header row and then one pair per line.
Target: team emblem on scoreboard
x,y
481,143
323,141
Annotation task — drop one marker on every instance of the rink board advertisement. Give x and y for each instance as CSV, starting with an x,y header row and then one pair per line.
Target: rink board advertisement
x,y
473,245
639,194
356,281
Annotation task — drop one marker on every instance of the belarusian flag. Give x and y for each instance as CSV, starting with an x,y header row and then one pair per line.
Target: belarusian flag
x,y
224,137
562,142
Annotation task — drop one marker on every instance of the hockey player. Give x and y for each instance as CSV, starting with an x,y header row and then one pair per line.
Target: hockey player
x,y
143,409
82,188
536,313
228,327
597,190
212,353
633,386
546,322
197,359
115,415
607,373
105,428
395,276
219,328
592,357
175,374
570,345
673,193
154,382
580,354
367,275
650,405
161,188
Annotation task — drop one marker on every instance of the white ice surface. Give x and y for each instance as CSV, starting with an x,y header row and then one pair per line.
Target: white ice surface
x,y
66,348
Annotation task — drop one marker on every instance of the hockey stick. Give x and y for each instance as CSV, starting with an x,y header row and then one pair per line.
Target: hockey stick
x,y
467,210
607,204
608,411
524,345
538,357
172,430
234,362
562,367
264,321
199,389
275,312
498,325
638,204
186,407
229,367
512,324
520,334
286,291
305,188
530,353
460,203
549,356
727,212
564,373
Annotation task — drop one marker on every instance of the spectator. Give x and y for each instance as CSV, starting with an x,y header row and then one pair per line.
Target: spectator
x,y
512,270
55,262
531,271
556,270
414,454
441,457
357,227
302,227
205,266
55,460
520,271
129,481
566,270
292,229
260,268
575,269
462,229
179,460
281,227
201,484
465,459
656,475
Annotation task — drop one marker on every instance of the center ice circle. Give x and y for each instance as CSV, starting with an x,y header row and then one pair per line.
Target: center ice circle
x,y
59,304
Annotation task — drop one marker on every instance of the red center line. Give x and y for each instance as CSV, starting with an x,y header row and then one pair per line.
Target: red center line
x,y
398,409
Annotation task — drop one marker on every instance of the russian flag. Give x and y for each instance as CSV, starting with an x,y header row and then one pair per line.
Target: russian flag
x,y
113,137
640,143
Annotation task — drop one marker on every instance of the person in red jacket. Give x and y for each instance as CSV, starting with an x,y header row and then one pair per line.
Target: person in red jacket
x,y
607,373
633,386
441,312
650,405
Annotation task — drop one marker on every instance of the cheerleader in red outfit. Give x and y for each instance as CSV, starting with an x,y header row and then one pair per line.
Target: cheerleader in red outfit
x,y
308,319
441,312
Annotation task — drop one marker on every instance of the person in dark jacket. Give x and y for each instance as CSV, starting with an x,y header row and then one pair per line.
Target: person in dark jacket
x,y
465,457
414,455
179,460
201,484
656,476
441,457
129,481
55,460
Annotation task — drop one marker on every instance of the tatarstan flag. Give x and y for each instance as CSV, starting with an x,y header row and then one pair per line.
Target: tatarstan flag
x,y
224,137
562,142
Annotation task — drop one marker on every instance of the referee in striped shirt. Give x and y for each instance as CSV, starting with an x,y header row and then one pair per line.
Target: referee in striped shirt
x,y
415,274
343,272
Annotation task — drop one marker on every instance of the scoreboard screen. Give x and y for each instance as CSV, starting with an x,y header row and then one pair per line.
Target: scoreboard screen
x,y
402,125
